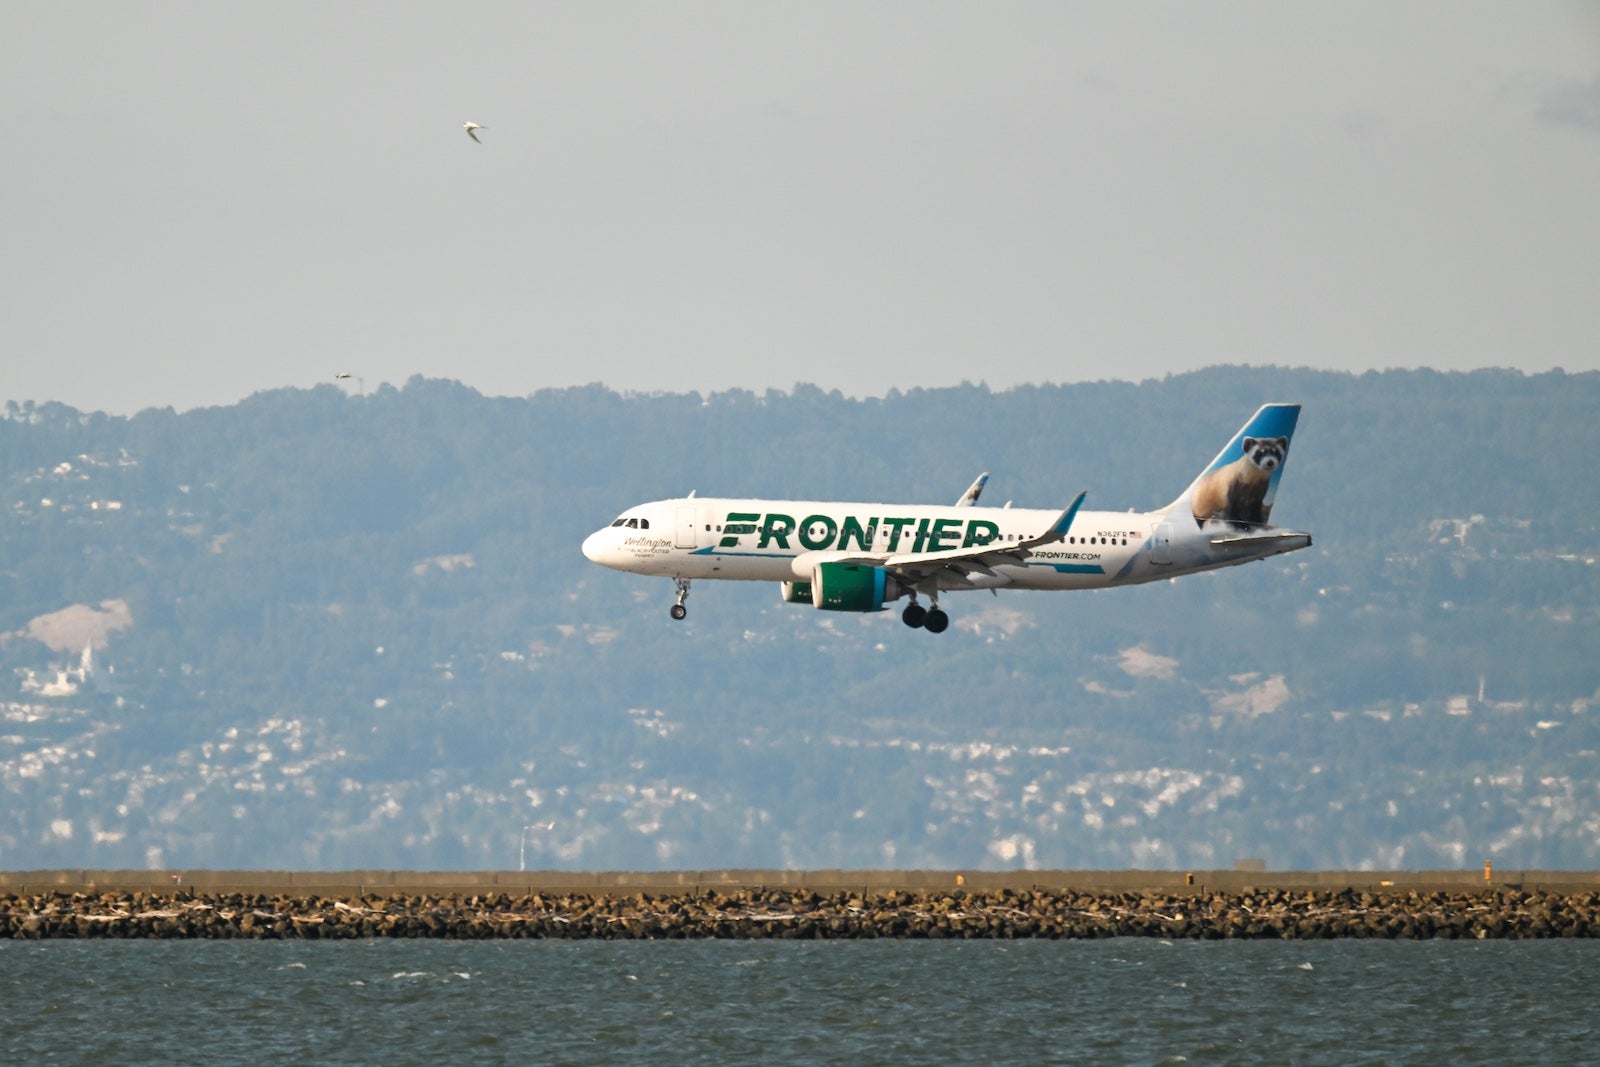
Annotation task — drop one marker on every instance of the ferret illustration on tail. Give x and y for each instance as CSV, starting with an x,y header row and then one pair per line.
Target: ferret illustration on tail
x,y
1239,485
1238,492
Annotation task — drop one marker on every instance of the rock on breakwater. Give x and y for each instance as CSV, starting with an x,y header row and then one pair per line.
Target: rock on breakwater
x,y
758,912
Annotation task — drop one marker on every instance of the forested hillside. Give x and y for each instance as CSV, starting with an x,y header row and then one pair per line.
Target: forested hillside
x,y
318,629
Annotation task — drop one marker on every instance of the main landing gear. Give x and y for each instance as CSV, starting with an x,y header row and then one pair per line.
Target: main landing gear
x,y
678,611
931,619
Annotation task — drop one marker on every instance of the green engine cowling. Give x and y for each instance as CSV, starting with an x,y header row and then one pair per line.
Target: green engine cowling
x,y
851,587
796,592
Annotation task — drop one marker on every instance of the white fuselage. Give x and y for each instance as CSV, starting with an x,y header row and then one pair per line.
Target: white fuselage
x,y
785,540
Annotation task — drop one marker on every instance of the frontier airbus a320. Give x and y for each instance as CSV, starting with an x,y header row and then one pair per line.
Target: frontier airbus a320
x,y
860,557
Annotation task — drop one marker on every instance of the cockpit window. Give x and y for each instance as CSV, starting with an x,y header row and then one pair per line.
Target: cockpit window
x,y
618,522
644,524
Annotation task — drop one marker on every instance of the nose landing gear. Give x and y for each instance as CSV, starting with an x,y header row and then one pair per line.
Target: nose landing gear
x,y
678,611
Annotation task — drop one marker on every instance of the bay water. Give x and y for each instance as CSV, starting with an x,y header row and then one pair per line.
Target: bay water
x,y
1118,1001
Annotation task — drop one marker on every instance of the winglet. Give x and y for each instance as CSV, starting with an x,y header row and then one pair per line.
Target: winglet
x,y
970,497
1063,523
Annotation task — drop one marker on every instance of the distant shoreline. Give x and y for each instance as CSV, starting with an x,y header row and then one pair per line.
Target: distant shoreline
x,y
90,905
804,914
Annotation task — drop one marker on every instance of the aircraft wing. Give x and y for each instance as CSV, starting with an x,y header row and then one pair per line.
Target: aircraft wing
x,y
913,567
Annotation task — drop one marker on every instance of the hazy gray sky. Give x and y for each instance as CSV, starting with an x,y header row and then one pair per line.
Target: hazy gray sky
x,y
201,200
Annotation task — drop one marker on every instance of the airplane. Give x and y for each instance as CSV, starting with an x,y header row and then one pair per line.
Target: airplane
x,y
839,556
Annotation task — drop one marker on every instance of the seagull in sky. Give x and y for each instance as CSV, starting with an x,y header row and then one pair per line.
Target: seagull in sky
x,y
470,126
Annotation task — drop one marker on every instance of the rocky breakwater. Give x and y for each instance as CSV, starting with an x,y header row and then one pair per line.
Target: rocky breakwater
x,y
806,914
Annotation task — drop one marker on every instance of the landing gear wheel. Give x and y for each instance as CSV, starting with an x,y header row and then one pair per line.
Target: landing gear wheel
x,y
914,615
678,611
936,621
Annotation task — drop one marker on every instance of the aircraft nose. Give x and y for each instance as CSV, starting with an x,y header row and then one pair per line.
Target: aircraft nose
x,y
592,549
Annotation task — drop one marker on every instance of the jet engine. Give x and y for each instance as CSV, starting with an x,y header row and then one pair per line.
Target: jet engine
x,y
796,592
851,587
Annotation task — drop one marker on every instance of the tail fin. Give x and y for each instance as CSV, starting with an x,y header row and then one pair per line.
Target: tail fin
x,y
1240,483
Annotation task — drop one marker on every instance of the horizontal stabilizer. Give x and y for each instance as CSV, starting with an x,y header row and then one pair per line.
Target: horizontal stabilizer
x,y
1259,540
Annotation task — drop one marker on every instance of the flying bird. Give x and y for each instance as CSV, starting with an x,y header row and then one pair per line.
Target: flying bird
x,y
470,126
341,374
